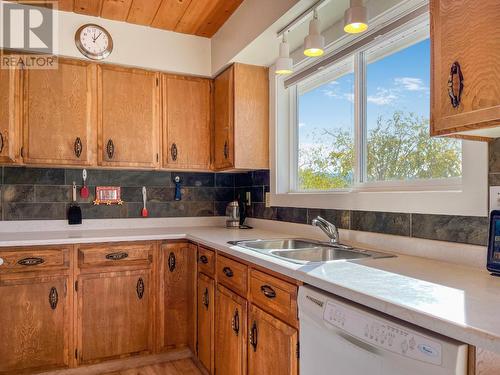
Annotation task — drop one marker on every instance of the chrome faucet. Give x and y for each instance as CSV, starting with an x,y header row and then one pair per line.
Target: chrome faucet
x,y
330,229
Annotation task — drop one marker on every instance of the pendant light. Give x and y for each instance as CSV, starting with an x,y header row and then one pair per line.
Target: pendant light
x,y
355,18
284,63
314,43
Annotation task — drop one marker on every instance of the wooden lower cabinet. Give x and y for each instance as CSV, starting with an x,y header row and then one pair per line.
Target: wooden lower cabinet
x,y
34,319
114,315
272,345
205,322
178,295
230,333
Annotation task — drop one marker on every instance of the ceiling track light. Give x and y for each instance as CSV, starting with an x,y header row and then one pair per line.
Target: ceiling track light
x,y
284,63
356,18
314,43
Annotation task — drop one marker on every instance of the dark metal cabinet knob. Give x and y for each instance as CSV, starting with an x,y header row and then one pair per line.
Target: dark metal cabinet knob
x,y
171,262
78,147
173,151
228,272
53,298
455,84
235,322
203,259
110,149
268,291
140,288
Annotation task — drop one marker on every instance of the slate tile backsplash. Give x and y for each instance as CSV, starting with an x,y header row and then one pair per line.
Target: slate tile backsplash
x,y
39,194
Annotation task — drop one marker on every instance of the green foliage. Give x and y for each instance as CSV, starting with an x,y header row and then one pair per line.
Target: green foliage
x,y
399,148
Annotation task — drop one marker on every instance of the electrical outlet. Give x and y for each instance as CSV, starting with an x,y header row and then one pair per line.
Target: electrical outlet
x,y
494,198
249,198
267,198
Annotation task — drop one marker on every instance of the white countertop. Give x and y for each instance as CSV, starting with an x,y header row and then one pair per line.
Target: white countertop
x,y
454,300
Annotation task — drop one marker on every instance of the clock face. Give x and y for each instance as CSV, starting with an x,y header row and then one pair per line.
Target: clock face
x,y
94,42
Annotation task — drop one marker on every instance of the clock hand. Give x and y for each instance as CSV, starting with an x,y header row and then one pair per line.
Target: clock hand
x,y
98,36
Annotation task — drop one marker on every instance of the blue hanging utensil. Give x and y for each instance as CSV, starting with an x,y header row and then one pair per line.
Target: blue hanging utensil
x,y
178,195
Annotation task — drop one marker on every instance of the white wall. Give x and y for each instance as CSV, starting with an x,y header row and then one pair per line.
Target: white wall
x,y
140,46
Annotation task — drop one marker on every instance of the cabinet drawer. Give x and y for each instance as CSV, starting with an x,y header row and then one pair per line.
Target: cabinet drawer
x,y
275,296
115,255
206,261
232,274
26,259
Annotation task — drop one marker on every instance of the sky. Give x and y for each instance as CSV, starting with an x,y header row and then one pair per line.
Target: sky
x,y
396,82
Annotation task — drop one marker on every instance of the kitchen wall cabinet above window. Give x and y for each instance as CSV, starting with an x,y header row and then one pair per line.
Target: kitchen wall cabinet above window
x,y
59,114
241,106
128,117
465,85
186,122
10,115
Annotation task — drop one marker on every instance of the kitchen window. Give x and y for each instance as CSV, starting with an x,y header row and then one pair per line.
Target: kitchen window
x,y
358,136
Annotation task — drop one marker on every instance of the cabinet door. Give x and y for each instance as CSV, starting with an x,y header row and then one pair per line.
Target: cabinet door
x,y
230,336
59,114
178,295
272,347
34,324
456,30
114,315
10,115
186,122
205,326
224,118
128,117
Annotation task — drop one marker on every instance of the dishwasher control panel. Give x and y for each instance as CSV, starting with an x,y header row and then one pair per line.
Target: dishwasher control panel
x,y
384,334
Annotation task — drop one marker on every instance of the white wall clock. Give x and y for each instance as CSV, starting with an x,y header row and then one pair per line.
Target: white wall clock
x,y
93,41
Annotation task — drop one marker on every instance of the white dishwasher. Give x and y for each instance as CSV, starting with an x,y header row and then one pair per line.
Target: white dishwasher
x,y
340,338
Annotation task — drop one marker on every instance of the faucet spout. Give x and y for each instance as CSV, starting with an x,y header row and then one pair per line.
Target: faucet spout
x,y
328,228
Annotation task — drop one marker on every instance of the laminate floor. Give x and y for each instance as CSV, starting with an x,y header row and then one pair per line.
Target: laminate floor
x,y
179,367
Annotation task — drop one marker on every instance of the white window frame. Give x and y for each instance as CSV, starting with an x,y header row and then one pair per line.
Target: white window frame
x,y
466,195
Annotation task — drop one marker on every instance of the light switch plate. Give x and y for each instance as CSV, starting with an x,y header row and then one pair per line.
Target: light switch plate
x,y
249,198
268,199
494,198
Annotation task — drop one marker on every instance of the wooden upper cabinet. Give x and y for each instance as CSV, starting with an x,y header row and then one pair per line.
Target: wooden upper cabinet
x,y
114,315
272,345
10,115
128,117
241,118
178,295
465,32
186,122
59,114
231,335
34,324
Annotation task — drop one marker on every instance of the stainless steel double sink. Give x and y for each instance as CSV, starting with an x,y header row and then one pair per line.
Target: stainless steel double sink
x,y
305,251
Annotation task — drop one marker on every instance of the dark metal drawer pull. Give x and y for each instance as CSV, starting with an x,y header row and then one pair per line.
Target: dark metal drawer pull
x,y
226,150
206,298
1,142
455,96
203,259
235,322
78,147
171,262
228,272
140,288
268,291
117,256
253,336
30,261
110,149
53,298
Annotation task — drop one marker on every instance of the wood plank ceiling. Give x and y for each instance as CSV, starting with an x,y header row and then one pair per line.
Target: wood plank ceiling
x,y
196,17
